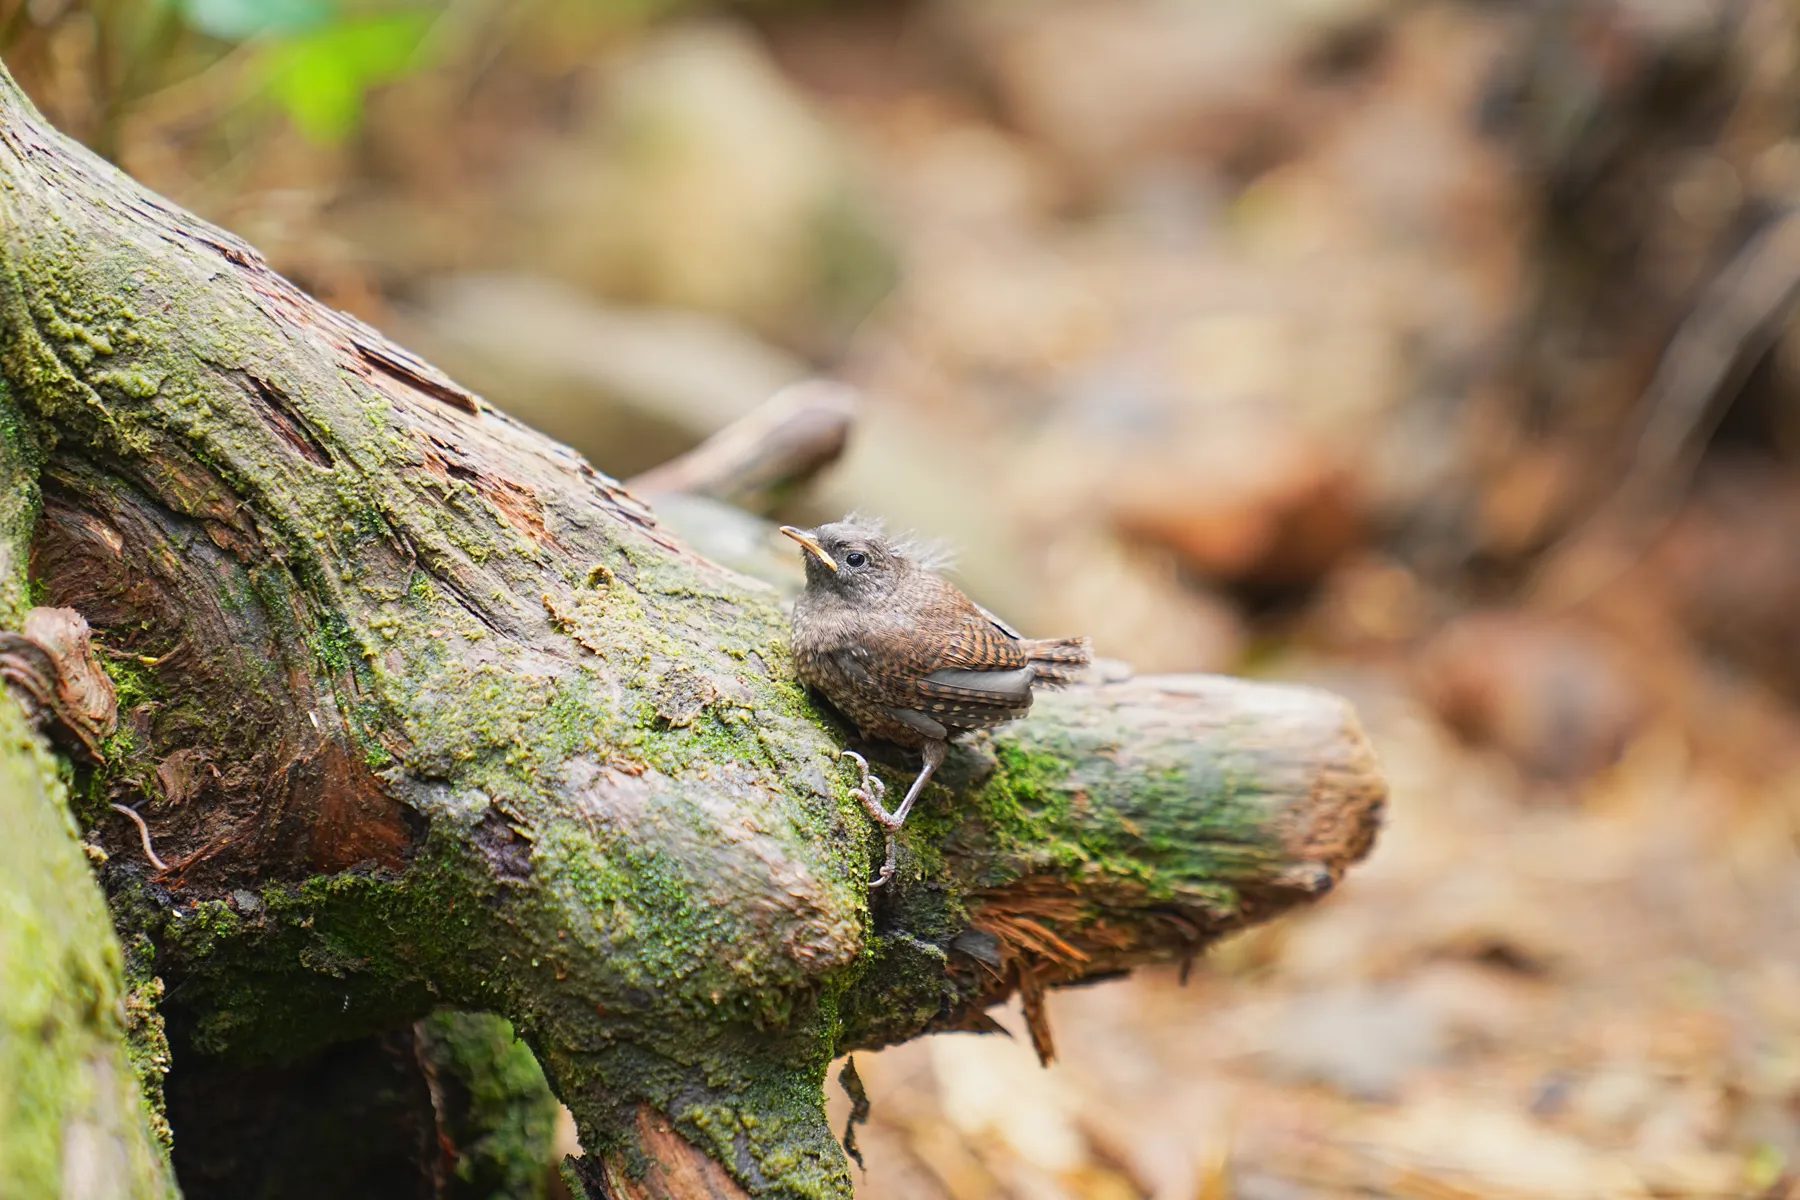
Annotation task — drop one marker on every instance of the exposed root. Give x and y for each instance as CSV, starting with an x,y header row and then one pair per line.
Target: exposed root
x,y
144,833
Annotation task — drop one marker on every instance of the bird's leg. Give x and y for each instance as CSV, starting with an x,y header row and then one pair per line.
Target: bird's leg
x,y
870,791
934,752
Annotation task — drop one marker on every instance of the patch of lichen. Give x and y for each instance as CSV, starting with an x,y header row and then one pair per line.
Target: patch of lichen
x,y
486,724
77,312
772,1115
1033,811
134,682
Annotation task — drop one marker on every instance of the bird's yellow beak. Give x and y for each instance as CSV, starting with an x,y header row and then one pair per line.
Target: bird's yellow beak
x,y
810,544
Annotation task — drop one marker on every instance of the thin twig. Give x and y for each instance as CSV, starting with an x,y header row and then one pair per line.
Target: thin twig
x,y
143,832
145,659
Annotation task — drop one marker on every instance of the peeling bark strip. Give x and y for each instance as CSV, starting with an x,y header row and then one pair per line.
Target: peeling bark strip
x,y
671,1167
51,668
424,711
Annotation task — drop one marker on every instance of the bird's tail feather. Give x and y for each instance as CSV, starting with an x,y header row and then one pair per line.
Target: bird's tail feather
x,y
1059,660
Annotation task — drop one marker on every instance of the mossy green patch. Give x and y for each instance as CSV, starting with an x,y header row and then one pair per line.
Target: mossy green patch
x,y
63,1050
302,966
146,1040
21,455
497,1109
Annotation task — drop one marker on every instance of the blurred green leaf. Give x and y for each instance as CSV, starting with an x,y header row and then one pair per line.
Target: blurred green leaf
x,y
240,20
320,78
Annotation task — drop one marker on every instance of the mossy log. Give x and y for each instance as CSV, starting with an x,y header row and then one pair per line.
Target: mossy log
x,y
75,1121
423,711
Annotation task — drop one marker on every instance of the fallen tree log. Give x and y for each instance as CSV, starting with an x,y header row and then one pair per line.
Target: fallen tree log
x,y
74,1121
421,711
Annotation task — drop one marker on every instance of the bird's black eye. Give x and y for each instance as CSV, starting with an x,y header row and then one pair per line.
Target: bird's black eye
x,y
856,558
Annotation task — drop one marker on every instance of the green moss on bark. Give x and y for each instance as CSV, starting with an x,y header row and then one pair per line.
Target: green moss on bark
x,y
146,1038
71,1101
493,1105
20,458
79,1069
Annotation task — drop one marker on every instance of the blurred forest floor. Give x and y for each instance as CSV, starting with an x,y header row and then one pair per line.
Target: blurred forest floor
x,y
1439,353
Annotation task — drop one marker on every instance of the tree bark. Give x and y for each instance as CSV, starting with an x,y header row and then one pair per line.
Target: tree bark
x,y
423,711
73,1118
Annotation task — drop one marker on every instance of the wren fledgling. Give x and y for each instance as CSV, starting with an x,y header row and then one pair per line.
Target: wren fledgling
x,y
909,658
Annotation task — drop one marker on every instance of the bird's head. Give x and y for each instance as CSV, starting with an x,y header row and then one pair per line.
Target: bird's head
x,y
854,560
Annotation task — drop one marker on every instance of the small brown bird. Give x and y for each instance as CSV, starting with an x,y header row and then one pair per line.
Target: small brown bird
x,y
909,658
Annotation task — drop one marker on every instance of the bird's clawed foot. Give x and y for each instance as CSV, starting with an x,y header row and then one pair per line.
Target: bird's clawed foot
x,y
871,791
